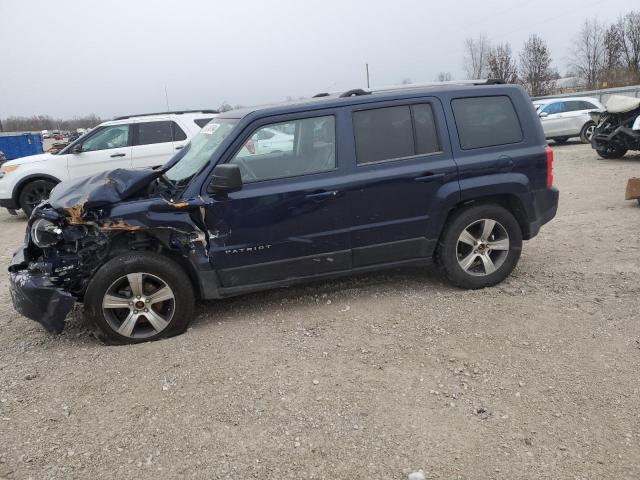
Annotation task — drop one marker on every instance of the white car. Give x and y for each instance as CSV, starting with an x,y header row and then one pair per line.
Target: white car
x,y
138,141
564,118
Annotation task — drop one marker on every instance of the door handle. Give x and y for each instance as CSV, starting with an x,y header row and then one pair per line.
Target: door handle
x,y
118,155
321,195
429,177
179,147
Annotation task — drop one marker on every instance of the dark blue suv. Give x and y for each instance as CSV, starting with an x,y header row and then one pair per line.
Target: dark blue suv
x,y
271,196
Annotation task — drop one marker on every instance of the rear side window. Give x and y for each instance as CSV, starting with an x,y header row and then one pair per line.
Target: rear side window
x,y
486,121
159,132
201,122
394,132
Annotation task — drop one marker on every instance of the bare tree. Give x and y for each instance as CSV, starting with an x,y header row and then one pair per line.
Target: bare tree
x,y
501,64
629,31
589,52
536,73
225,107
45,122
476,51
444,77
612,50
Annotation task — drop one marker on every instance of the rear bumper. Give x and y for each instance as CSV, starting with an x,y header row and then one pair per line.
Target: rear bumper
x,y
545,206
35,297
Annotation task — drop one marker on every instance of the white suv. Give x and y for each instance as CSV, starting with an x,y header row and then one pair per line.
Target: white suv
x,y
136,141
564,118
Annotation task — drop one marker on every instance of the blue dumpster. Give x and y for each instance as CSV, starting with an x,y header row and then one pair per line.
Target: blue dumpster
x,y
16,145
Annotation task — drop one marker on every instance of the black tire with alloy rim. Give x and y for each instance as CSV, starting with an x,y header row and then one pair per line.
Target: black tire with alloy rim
x,y
33,193
480,246
586,134
139,297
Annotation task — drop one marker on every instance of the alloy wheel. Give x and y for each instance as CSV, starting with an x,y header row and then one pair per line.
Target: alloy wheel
x,y
138,305
482,247
588,133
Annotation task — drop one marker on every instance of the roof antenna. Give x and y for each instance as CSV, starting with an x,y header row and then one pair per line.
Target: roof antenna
x,y
166,97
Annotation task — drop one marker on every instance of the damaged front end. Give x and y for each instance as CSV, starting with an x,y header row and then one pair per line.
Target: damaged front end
x,y
88,221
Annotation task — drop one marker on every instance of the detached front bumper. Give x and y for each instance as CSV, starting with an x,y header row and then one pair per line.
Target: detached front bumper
x,y
35,297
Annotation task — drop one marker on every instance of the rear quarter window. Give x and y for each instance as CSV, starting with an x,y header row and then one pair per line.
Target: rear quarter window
x,y
486,121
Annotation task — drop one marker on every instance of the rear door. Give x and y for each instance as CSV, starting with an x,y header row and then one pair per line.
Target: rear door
x,y
153,142
105,148
403,172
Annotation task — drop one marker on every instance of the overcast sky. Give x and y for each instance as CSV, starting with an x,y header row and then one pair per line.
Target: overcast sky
x,y
113,57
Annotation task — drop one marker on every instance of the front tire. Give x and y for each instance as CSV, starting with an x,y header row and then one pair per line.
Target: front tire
x,y
586,134
480,246
139,297
33,193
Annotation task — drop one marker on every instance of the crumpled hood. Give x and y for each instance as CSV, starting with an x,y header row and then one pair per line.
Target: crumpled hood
x,y
100,190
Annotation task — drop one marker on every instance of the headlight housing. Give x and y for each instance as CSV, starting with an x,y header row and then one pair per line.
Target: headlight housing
x,y
45,233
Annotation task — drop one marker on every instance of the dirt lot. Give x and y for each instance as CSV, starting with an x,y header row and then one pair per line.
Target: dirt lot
x,y
371,377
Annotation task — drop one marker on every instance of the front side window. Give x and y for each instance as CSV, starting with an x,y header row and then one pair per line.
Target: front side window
x,y
115,136
159,132
486,121
200,150
555,107
289,149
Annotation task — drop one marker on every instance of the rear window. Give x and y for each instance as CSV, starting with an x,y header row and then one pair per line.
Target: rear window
x,y
159,132
486,121
201,122
394,133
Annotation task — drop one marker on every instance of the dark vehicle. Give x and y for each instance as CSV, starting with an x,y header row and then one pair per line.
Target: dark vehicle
x,y
3,157
457,174
617,128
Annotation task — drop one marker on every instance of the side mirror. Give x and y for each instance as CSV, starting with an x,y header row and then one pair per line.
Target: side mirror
x,y
226,179
543,114
77,148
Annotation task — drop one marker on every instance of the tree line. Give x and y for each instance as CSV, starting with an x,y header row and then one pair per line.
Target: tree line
x,y
600,55
36,123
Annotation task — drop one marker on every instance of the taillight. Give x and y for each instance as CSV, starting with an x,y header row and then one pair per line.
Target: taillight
x,y
549,153
250,146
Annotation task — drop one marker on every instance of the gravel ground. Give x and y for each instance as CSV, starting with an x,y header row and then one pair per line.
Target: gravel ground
x,y
375,376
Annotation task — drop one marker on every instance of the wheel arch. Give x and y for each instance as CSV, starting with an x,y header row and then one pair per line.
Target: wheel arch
x,y
155,242
17,189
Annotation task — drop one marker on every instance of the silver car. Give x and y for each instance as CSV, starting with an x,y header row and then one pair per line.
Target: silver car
x,y
564,118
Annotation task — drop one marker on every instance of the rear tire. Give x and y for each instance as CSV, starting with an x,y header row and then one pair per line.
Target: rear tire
x,y
587,132
33,193
493,256
610,153
561,140
139,297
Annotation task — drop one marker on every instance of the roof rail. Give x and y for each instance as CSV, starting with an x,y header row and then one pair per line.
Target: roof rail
x,y
487,81
323,94
175,112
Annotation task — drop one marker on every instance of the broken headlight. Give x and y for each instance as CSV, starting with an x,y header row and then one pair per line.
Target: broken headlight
x,y
45,233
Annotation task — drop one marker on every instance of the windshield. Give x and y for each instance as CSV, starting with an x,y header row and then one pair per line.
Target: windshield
x,y
200,150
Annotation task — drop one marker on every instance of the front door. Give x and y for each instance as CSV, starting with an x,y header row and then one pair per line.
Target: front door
x,y
403,167
554,121
107,148
291,218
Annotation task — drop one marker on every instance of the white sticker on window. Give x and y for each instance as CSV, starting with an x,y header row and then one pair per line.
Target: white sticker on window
x,y
210,128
